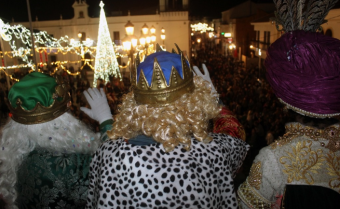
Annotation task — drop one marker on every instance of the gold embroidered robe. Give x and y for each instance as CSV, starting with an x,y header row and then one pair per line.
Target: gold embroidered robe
x,y
303,156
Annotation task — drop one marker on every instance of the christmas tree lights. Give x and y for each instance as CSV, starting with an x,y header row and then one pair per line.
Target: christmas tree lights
x,y
106,62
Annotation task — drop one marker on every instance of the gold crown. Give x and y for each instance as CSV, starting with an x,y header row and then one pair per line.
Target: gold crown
x,y
160,93
40,113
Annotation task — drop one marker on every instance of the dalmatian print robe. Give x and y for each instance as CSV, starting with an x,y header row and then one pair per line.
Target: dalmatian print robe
x,y
129,176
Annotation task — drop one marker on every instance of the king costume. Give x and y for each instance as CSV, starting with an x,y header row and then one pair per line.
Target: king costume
x,y
45,151
303,70
161,154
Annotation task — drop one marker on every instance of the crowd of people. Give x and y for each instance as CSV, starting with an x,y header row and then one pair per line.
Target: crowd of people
x,y
246,92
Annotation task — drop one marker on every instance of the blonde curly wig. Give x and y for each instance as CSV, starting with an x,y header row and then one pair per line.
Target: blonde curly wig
x,y
171,125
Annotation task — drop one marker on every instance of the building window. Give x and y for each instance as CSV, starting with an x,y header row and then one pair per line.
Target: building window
x,y
116,38
81,14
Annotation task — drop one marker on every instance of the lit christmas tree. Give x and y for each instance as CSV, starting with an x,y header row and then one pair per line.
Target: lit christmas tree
x,y
106,62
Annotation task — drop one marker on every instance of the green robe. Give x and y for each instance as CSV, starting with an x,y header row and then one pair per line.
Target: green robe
x,y
54,180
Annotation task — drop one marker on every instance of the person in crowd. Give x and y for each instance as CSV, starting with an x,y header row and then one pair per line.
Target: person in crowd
x,y
301,169
45,152
161,154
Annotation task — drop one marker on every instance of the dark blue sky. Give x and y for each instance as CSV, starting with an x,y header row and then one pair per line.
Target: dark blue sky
x,y
52,9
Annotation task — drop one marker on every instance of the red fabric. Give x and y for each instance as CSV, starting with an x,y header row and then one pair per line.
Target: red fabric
x,y
46,59
235,53
227,123
41,61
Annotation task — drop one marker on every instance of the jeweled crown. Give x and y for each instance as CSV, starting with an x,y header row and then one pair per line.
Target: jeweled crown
x,y
40,113
161,92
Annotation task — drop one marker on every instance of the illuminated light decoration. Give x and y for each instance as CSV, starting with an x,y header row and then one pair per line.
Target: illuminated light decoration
x,y
202,27
227,35
106,63
11,34
52,46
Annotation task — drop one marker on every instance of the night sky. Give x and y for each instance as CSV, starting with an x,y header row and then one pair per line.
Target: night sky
x,y
52,9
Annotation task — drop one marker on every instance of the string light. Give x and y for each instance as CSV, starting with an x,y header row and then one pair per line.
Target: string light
x,y
18,32
202,27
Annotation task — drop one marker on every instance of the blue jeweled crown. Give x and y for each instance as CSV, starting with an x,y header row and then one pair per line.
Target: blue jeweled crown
x,y
162,78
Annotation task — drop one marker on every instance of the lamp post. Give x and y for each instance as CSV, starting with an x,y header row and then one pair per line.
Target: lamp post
x,y
153,35
163,36
80,35
130,41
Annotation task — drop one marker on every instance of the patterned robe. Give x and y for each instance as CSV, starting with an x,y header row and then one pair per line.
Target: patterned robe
x,y
55,180
303,156
123,175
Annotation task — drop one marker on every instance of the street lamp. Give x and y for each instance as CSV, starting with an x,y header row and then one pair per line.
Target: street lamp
x,y
145,29
153,36
129,28
80,35
163,35
127,43
152,30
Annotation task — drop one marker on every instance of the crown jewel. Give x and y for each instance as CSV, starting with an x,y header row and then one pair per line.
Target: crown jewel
x,y
161,89
40,113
